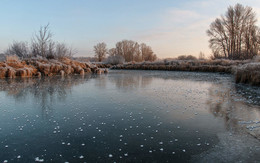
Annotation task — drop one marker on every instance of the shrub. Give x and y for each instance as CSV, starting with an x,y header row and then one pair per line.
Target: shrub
x,y
184,57
114,60
19,49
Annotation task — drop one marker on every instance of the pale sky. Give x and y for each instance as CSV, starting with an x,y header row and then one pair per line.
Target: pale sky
x,y
170,27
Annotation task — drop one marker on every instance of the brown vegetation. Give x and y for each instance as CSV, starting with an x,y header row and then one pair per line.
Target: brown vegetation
x,y
248,73
184,65
13,67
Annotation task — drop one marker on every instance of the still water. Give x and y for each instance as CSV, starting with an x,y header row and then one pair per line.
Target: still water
x,y
129,116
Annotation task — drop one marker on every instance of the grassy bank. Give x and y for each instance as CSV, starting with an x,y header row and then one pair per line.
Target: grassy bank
x,y
246,71
13,67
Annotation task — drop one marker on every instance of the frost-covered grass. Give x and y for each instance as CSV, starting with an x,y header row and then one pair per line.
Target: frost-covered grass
x,y
248,73
184,65
13,67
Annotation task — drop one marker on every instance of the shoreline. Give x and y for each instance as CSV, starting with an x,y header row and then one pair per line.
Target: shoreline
x,y
246,72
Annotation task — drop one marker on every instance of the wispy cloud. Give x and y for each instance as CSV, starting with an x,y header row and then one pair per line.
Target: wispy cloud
x,y
183,30
180,32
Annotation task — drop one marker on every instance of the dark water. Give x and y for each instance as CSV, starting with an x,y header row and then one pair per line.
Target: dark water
x,y
129,116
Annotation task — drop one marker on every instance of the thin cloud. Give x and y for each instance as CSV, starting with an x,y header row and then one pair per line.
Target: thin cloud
x,y
180,32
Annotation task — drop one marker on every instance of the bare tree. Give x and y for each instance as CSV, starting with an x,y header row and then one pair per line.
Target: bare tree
x,y
126,48
112,52
62,50
42,43
100,51
147,53
132,51
235,35
201,56
20,49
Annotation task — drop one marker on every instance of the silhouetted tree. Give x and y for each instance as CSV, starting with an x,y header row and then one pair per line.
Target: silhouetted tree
x,y
235,35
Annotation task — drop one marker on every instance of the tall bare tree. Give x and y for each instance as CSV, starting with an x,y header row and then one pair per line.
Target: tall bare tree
x,y
42,43
100,51
235,34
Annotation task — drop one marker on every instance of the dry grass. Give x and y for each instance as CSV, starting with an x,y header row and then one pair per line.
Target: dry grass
x,y
13,67
12,58
184,65
248,73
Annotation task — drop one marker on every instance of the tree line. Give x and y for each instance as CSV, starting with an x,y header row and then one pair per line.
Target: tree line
x,y
235,34
126,50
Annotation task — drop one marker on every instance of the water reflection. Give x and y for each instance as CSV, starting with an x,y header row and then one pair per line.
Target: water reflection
x,y
239,114
130,82
44,91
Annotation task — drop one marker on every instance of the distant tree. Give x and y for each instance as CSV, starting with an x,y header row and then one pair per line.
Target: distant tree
x,y
126,48
62,50
114,60
188,57
201,56
137,53
100,51
132,51
112,52
147,53
235,35
19,49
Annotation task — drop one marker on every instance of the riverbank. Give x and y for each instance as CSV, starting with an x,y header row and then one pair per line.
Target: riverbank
x,y
246,71
13,67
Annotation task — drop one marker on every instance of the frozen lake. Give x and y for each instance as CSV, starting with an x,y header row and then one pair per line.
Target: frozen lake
x,y
129,116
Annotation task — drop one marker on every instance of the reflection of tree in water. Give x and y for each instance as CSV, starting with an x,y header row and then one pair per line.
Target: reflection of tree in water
x,y
43,90
101,81
239,116
140,79
128,81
